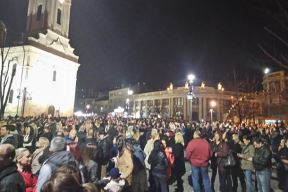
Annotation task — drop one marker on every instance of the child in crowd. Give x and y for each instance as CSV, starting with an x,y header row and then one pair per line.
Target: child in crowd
x,y
116,183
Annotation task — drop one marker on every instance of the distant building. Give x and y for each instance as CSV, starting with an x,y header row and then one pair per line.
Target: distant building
x,y
209,103
275,95
46,68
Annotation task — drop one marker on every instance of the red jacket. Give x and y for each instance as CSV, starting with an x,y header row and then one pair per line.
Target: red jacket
x,y
30,181
199,152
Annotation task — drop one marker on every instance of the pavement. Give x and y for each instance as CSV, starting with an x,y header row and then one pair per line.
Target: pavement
x,y
187,187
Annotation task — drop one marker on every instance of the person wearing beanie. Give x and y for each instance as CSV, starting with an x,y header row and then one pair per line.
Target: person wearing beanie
x,y
59,156
116,183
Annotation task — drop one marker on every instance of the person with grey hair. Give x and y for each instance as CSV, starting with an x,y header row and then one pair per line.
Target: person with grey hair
x,y
41,144
59,156
10,178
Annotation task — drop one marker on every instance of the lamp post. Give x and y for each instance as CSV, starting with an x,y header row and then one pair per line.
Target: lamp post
x,y
191,95
212,105
87,108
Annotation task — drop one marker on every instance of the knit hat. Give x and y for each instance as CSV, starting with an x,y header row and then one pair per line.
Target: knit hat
x,y
57,144
114,173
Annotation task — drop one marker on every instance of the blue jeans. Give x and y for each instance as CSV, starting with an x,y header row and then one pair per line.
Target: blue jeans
x,y
196,171
263,180
249,183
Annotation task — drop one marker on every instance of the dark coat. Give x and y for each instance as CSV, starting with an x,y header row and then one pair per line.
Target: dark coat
x,y
262,158
179,163
11,180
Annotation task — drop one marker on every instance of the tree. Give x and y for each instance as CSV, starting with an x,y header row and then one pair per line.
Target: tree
x,y
278,50
7,71
245,89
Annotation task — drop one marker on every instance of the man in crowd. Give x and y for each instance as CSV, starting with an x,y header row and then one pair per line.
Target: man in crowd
x,y
59,156
6,137
10,178
262,164
199,153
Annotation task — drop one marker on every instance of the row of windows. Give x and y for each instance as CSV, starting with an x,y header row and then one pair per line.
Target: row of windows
x,y
39,14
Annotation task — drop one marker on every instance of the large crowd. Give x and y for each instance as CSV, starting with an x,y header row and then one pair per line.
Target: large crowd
x,y
61,154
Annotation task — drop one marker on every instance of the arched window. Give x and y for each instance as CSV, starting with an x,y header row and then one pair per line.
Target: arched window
x,y
10,99
39,12
59,14
54,75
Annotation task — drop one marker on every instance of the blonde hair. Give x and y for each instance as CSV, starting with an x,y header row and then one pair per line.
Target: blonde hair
x,y
19,153
179,138
89,187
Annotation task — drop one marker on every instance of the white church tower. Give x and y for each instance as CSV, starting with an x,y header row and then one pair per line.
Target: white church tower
x,y
46,73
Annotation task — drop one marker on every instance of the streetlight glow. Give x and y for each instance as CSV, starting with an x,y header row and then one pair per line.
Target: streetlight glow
x,y
130,92
191,77
266,70
212,103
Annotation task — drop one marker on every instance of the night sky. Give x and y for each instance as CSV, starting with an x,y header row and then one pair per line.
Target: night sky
x,y
159,41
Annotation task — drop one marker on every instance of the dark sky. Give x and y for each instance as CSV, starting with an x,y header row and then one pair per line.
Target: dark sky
x,y
160,41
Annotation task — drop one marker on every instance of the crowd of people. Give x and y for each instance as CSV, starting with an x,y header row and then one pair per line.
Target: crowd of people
x,y
49,154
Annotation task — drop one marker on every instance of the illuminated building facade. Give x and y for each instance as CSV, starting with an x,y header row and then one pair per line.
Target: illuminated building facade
x,y
46,72
209,103
275,87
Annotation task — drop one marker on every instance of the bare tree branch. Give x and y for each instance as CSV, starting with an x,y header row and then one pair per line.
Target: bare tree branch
x,y
277,61
276,36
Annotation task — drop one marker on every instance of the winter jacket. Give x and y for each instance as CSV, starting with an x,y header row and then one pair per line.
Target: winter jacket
x,y
262,159
56,160
221,154
115,185
9,139
11,180
199,152
30,180
147,150
125,165
179,163
35,165
248,151
171,159
159,163
104,151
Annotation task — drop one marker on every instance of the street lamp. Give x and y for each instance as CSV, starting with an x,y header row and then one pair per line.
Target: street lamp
x,y
191,95
266,70
212,105
87,108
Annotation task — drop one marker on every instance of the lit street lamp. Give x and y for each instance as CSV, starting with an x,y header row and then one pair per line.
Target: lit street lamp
x,y
212,105
266,70
87,108
191,95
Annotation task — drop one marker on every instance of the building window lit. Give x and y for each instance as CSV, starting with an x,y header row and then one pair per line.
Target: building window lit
x,y
39,13
54,75
59,14
10,99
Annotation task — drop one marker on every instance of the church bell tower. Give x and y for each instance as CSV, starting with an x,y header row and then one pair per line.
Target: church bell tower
x,y
48,26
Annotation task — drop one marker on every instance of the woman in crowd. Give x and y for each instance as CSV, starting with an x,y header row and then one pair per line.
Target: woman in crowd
x,y
23,161
224,172
159,164
124,162
282,165
91,166
41,144
29,138
179,164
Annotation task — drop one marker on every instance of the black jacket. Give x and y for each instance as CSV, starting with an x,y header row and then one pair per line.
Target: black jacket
x,y
262,159
11,180
159,163
179,163
104,148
